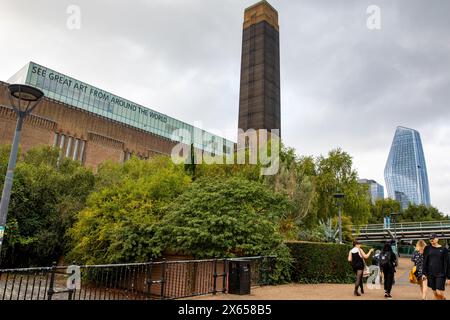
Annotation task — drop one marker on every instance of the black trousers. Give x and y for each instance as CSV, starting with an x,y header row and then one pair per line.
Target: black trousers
x,y
388,281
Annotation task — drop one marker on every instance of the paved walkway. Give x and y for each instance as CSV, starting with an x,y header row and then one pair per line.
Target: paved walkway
x,y
402,290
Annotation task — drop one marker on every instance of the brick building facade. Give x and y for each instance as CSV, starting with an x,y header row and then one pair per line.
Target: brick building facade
x,y
82,136
91,125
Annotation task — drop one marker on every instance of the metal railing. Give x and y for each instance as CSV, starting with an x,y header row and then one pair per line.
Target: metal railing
x,y
137,281
403,230
412,226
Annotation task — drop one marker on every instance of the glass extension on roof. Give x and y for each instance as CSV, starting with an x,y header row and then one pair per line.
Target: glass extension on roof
x,y
81,95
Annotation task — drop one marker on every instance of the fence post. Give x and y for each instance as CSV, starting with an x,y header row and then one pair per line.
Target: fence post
x,y
224,276
163,279
71,292
51,286
149,280
215,277
261,271
272,262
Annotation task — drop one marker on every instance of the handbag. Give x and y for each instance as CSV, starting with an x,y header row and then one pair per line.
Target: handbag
x,y
412,275
366,272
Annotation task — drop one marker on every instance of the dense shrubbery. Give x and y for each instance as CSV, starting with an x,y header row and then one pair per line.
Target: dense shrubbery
x,y
139,213
320,263
118,224
315,262
46,197
310,184
231,217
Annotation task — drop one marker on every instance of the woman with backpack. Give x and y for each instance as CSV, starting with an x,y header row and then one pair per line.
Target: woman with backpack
x,y
356,258
417,258
388,262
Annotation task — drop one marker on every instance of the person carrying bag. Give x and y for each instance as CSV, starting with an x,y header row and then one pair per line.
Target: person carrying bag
x,y
416,274
356,258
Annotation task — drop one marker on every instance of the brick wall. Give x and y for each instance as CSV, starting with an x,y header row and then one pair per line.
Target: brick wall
x,y
104,139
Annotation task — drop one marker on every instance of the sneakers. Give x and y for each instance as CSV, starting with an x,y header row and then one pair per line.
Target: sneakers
x,y
356,293
387,295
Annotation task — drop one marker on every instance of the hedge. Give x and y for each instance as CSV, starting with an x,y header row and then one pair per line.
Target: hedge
x,y
320,262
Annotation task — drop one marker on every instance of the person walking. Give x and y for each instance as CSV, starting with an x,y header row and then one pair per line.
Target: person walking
x,y
356,258
436,267
417,258
388,262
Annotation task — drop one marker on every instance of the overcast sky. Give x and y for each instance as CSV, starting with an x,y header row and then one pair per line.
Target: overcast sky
x,y
343,85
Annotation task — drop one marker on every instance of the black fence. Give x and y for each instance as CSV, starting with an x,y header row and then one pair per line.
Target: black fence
x,y
137,281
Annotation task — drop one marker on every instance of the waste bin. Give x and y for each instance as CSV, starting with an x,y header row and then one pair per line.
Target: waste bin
x,y
239,280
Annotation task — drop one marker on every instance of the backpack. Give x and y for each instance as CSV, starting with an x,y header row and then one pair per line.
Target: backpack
x,y
376,260
385,260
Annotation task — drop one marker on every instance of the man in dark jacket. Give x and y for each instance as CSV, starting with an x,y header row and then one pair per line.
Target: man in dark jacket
x,y
436,266
388,262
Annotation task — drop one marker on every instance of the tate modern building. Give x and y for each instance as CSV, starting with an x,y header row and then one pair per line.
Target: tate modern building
x,y
92,125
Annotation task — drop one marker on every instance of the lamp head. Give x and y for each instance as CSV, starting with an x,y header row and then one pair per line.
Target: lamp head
x,y
23,93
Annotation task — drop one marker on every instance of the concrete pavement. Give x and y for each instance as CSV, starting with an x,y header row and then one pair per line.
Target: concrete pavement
x,y
402,290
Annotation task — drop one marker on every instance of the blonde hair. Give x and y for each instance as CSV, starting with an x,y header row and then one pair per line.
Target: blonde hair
x,y
420,244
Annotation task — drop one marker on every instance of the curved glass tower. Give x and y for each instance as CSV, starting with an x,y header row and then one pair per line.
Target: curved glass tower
x,y
406,172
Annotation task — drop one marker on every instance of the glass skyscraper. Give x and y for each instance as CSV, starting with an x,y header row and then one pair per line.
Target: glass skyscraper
x,y
406,172
376,190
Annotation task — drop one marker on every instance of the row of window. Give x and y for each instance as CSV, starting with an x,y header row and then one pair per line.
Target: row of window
x,y
127,156
74,148
70,147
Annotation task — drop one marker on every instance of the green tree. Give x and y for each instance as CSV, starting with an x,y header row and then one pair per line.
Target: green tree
x,y
330,229
118,224
419,213
219,171
383,208
45,199
295,178
335,172
230,217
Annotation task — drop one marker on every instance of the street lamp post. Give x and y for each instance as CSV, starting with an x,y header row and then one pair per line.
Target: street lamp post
x,y
23,99
394,218
339,196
